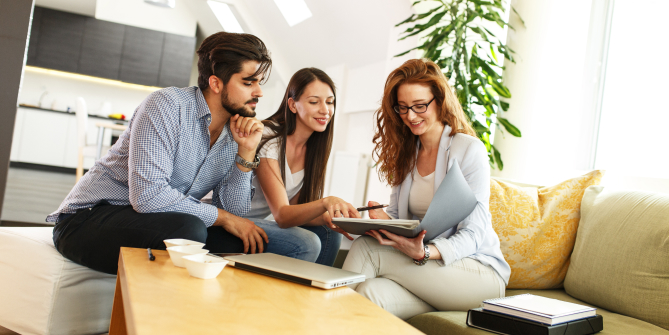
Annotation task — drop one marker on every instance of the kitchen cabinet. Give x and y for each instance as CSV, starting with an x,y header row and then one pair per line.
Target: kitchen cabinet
x,y
142,49
101,49
16,137
42,139
80,44
50,138
34,35
60,37
173,69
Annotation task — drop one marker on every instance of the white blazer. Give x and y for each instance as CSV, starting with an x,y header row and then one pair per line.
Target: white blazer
x,y
474,237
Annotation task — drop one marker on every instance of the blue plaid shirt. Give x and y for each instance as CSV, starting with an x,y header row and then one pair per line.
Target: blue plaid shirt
x,y
162,163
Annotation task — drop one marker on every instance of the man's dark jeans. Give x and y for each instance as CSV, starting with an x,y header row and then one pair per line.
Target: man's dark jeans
x,y
93,237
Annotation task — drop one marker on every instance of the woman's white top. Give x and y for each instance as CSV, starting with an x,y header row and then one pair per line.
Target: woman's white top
x,y
474,237
421,194
259,207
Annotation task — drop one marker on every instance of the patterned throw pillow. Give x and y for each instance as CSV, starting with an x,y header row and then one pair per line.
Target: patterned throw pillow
x,y
537,228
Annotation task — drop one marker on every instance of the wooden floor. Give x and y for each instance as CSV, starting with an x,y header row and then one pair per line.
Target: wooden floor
x,y
31,195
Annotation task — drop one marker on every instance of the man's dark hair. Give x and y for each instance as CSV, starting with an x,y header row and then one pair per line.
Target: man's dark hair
x,y
222,54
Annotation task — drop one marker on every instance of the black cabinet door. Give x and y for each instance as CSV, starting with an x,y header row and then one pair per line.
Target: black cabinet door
x,y
140,62
60,36
101,49
177,60
34,36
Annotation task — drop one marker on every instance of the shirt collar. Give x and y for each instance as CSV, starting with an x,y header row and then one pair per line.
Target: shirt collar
x,y
201,103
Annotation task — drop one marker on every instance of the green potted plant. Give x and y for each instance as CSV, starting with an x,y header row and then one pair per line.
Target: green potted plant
x,y
454,35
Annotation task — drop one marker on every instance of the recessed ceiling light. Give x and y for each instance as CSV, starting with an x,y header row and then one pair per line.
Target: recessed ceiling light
x,y
162,3
294,11
225,16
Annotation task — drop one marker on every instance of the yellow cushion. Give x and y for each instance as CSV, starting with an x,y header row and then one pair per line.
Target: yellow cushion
x,y
537,228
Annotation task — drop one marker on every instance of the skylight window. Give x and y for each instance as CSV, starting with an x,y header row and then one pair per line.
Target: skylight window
x,y
225,16
294,11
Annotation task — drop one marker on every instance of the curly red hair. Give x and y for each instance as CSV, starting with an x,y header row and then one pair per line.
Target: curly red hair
x,y
394,143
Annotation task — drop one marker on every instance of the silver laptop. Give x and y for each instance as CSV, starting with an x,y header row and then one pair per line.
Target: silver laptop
x,y
295,270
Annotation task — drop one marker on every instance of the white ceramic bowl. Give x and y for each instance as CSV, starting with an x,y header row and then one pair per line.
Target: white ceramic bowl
x,y
204,266
176,253
174,242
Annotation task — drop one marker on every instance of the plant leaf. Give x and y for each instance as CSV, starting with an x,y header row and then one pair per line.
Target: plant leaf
x,y
493,53
519,17
454,35
500,88
498,158
417,17
509,127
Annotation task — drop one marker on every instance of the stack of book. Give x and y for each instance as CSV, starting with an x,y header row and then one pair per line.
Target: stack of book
x,y
530,314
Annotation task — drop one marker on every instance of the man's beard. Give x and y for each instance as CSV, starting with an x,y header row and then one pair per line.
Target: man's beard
x,y
235,110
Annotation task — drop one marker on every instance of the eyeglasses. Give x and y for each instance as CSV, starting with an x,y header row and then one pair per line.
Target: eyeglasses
x,y
417,108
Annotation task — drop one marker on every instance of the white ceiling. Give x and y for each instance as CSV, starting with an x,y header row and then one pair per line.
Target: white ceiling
x,y
350,32
353,33
83,7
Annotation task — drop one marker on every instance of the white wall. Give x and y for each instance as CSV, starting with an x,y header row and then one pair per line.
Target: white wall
x,y
633,116
546,83
554,86
359,94
364,87
271,99
178,20
83,7
62,91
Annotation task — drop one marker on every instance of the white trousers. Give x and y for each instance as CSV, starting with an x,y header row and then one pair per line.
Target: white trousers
x,y
404,289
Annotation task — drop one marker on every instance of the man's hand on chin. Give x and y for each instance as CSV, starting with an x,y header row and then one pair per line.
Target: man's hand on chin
x,y
247,132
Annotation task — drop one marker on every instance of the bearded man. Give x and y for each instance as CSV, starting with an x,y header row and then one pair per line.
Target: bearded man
x,y
181,143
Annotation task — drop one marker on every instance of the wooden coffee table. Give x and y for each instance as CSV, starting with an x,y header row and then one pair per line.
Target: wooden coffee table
x,y
156,297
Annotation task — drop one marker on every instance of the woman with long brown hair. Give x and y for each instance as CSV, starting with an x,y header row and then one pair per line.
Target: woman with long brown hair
x,y
289,181
422,131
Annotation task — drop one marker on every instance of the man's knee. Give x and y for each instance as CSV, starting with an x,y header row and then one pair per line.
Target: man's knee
x,y
188,226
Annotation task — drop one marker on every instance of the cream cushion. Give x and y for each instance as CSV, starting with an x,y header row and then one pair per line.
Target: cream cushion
x,y
41,292
621,255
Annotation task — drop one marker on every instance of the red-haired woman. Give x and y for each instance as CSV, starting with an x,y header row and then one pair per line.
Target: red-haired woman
x,y
422,130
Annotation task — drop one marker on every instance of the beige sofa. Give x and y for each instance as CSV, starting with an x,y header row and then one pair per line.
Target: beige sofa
x,y
41,292
620,265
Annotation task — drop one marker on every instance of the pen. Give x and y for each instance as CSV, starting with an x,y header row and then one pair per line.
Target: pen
x,y
360,209
151,256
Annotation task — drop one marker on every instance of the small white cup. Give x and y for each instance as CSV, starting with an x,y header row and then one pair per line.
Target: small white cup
x,y
204,266
174,242
176,253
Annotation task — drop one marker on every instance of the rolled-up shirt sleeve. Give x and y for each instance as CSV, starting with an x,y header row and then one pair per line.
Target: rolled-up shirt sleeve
x,y
154,137
472,230
234,194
